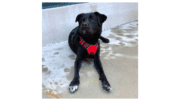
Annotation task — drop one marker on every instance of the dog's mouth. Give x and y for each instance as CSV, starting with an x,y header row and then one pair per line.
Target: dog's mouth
x,y
86,32
87,35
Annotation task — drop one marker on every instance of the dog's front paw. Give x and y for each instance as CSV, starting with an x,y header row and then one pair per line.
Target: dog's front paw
x,y
106,86
73,87
106,40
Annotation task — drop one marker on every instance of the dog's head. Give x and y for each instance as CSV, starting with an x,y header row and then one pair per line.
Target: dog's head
x,y
90,23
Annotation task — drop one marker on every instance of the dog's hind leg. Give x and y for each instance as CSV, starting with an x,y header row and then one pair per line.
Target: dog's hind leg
x,y
105,40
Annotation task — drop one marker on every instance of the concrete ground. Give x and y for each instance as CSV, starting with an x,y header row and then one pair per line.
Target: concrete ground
x,y
119,59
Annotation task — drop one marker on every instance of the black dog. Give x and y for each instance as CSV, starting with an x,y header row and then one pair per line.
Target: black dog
x,y
83,40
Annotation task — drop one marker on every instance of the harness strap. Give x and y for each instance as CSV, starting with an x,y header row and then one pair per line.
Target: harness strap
x,y
91,49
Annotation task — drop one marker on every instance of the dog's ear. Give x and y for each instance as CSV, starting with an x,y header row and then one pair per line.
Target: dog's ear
x,y
101,17
79,17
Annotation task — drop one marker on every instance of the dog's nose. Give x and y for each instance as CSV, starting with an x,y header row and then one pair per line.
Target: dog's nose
x,y
84,25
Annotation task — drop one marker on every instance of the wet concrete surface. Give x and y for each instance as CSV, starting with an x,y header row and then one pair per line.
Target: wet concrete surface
x,y
119,59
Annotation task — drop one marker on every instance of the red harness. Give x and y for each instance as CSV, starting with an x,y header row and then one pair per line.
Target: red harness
x,y
91,49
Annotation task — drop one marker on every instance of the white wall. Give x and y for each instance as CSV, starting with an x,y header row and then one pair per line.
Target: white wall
x,y
57,23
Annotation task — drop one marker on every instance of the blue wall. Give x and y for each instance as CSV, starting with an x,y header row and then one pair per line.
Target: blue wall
x,y
46,5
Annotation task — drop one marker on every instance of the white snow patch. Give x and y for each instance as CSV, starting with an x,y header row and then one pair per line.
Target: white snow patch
x,y
56,60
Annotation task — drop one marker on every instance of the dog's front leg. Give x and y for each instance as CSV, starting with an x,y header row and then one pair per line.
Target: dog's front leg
x,y
105,40
99,68
75,82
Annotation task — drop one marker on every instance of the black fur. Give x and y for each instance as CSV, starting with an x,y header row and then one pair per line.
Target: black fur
x,y
90,28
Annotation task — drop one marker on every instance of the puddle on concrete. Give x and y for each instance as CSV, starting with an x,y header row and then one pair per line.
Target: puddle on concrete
x,y
43,60
111,36
44,69
117,38
119,59
59,48
118,31
73,57
56,53
66,70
